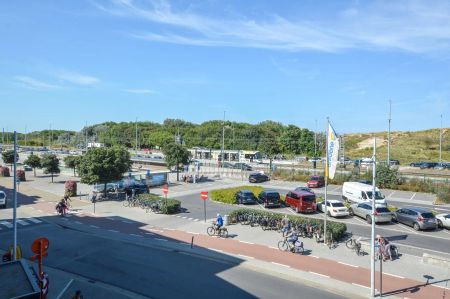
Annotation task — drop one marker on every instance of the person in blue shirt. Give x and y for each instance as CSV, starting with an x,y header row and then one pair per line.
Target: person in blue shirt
x,y
219,221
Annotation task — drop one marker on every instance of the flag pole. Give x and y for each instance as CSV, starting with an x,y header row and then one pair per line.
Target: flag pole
x,y
372,241
326,183
15,199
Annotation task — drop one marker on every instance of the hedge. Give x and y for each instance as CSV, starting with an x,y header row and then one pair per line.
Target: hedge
x,y
21,175
169,206
337,229
229,195
70,188
4,171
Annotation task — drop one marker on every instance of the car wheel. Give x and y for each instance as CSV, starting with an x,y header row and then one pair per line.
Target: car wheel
x,y
328,214
440,225
394,219
350,212
416,226
369,219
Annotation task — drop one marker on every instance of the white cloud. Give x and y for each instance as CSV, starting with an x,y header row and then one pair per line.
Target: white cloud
x,y
78,79
32,83
412,26
139,91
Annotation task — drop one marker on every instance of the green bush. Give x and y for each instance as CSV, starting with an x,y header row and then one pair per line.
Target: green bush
x,y
21,175
337,229
443,194
169,206
70,188
228,195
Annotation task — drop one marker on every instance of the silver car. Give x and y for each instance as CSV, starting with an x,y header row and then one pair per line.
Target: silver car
x,y
364,210
418,218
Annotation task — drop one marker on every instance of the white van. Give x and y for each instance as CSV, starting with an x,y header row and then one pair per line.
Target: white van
x,y
359,192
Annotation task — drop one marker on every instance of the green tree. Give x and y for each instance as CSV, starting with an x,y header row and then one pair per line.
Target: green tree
x,y
175,155
8,157
104,165
50,164
387,177
72,161
269,146
33,161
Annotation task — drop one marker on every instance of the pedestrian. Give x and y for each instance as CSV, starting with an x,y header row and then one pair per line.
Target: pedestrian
x,y
286,225
133,193
77,295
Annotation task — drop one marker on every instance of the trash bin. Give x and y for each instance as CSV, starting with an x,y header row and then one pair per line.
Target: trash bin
x,y
225,220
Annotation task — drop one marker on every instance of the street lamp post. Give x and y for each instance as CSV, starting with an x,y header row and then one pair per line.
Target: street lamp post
x,y
389,135
440,143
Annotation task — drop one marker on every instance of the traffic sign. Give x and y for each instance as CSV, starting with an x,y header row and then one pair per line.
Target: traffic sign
x,y
40,246
204,195
165,189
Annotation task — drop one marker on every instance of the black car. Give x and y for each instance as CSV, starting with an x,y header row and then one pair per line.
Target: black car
x,y
395,162
138,189
304,189
426,165
242,166
270,198
258,178
245,197
416,164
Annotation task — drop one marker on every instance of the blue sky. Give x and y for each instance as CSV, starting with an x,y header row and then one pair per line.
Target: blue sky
x,y
66,63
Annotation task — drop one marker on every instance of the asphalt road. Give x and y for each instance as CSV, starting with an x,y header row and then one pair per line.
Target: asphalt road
x,y
413,242
156,271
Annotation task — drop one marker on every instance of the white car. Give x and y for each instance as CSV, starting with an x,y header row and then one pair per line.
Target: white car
x,y
2,199
443,220
335,208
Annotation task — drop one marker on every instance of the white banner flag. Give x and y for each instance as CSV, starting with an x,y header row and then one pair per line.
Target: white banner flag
x,y
333,151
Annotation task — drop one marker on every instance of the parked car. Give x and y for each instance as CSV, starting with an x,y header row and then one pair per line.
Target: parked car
x,y
335,208
364,210
227,165
270,198
443,220
305,189
138,189
27,168
245,197
395,162
426,165
416,164
3,200
301,201
358,193
258,178
441,166
242,166
316,181
418,218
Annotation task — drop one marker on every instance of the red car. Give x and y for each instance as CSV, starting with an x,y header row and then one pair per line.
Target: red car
x,y
301,201
316,181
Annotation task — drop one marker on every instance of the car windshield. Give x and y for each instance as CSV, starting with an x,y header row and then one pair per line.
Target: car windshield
x,y
2,195
273,196
427,215
337,204
309,198
314,178
377,195
383,210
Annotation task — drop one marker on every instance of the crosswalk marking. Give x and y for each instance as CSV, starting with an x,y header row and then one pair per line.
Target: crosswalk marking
x,y
21,222
7,224
34,220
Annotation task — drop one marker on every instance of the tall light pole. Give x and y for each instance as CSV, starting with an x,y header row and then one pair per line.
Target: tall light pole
x,y
440,143
15,198
222,158
25,135
372,240
389,135
136,147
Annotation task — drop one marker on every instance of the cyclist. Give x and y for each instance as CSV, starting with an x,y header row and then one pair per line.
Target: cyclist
x,y
219,221
286,225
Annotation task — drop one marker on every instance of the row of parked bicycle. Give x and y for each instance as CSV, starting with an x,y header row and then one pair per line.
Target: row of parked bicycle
x,y
146,204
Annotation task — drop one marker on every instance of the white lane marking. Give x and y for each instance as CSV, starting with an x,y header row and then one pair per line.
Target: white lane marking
x,y
169,228
184,217
350,265
34,220
392,193
110,218
126,221
134,235
273,247
195,219
319,274
246,256
156,230
412,197
93,226
313,256
151,234
393,275
77,222
158,239
441,209
65,219
21,222
7,224
113,231
213,249
359,285
282,265
442,287
193,233
190,218
65,289
247,242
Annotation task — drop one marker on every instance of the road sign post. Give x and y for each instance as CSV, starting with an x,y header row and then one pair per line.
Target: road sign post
x,y
204,197
165,190
40,247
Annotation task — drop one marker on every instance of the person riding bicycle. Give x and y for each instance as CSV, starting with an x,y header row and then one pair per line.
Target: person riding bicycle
x,y
219,221
286,225
385,248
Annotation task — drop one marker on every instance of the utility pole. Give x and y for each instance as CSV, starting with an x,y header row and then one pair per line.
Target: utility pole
x,y
15,198
25,135
85,136
223,141
136,147
372,240
50,137
389,135
440,143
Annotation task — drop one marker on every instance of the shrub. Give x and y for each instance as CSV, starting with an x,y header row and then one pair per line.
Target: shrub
x,y
20,175
70,188
443,194
4,171
337,229
229,195
169,206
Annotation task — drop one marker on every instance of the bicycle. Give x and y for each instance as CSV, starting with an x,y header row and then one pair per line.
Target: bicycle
x,y
330,241
214,231
291,245
354,244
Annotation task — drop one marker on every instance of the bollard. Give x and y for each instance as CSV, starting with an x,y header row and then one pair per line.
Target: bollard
x,y
192,242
